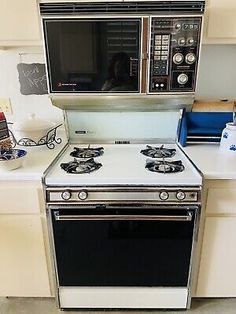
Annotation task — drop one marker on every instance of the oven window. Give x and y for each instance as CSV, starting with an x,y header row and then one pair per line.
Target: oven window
x,y
99,55
123,252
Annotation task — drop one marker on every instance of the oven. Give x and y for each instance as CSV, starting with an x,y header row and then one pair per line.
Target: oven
x,y
123,247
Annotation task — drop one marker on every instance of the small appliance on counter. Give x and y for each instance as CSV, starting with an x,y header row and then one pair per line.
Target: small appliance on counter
x,y
202,127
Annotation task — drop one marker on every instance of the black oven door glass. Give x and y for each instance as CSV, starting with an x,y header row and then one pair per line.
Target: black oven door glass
x,y
124,252
93,55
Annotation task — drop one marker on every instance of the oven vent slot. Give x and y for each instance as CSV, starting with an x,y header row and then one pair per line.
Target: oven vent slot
x,y
122,142
142,7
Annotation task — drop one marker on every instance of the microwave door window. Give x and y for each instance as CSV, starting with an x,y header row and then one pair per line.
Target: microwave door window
x,y
93,55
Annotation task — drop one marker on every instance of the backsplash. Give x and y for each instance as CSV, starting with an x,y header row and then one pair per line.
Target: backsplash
x,y
216,79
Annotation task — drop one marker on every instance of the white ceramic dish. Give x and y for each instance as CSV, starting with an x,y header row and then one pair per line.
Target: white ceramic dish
x,y
13,159
32,128
228,139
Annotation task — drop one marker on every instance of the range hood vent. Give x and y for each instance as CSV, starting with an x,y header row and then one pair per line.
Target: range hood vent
x,y
139,7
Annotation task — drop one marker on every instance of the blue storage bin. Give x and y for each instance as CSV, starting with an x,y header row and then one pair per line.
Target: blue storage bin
x,y
202,127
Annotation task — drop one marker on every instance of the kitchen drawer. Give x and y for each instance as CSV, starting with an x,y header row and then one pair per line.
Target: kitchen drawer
x,y
20,197
221,201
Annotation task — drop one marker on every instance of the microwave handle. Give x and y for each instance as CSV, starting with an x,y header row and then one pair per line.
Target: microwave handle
x,y
187,217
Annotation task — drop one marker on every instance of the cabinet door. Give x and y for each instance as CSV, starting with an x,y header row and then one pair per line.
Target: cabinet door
x,y
19,21
23,267
221,19
217,274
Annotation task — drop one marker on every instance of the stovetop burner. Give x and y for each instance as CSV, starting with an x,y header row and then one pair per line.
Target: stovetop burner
x,y
87,152
81,166
158,152
164,166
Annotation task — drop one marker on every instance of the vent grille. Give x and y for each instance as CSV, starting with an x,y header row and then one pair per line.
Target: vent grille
x,y
150,7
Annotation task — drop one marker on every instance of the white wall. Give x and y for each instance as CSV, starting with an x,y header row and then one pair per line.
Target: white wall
x,y
24,105
217,73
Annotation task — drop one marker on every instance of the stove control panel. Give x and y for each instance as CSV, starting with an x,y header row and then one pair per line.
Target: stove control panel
x,y
170,195
174,50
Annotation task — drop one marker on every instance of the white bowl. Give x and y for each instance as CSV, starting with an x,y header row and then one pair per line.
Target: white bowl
x,y
32,128
12,159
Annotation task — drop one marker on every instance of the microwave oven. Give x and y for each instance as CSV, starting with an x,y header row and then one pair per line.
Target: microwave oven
x,y
122,47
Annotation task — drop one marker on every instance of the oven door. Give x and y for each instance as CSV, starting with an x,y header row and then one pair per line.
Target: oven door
x,y
111,246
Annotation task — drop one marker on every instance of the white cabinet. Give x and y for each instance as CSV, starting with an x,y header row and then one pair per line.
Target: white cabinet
x,y
220,22
23,262
217,272
19,23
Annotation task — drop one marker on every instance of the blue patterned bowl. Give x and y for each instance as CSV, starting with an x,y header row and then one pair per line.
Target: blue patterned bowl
x,y
12,159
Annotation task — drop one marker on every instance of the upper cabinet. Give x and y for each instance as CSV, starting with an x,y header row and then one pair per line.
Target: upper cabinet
x,y
19,23
220,22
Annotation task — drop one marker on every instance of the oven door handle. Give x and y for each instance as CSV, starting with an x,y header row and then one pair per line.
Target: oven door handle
x,y
187,217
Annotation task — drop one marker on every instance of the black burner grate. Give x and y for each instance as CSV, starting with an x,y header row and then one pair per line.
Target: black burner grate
x,y
158,152
163,166
81,166
87,152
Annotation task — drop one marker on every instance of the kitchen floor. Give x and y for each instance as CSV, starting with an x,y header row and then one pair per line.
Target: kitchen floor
x,y
48,306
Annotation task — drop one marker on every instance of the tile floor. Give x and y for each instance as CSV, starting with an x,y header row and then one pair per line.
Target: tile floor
x,y
48,306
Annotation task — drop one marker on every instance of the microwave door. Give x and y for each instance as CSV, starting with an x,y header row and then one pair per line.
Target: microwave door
x,y
97,55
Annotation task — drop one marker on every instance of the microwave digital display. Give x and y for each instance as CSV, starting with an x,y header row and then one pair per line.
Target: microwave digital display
x,y
93,55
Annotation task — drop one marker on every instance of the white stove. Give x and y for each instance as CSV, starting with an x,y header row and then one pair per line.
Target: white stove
x,y
128,225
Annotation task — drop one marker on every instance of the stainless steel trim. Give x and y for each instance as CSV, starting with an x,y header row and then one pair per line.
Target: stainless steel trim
x,y
53,257
187,217
54,162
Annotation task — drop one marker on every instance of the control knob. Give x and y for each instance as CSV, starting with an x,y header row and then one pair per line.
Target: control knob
x,y
83,195
164,195
178,58
66,195
181,41
182,79
180,195
190,41
177,26
190,58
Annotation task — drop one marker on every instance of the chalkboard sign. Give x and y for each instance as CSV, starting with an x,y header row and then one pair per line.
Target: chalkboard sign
x,y
32,77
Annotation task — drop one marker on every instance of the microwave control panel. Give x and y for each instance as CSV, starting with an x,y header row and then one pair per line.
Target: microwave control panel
x,y
174,53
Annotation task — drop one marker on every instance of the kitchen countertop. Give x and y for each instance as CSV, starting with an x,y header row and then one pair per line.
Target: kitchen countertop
x,y
213,163
36,162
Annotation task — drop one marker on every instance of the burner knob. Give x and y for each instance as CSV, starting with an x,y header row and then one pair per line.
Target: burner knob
x,y
83,195
66,195
164,195
180,195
